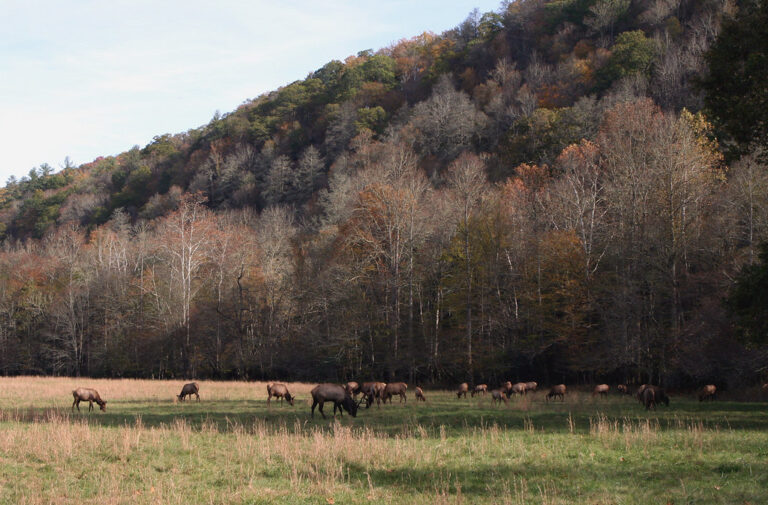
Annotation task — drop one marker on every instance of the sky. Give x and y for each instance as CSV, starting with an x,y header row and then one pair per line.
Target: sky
x,y
87,78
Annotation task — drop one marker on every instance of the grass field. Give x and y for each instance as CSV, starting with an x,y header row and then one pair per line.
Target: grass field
x,y
231,448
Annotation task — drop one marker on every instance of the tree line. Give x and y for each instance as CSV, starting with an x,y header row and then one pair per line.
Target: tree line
x,y
527,195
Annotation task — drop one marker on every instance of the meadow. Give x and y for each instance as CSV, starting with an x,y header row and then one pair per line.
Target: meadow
x,y
232,448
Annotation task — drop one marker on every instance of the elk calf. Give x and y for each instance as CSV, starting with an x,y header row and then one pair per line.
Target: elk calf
x,y
707,392
87,395
558,390
601,389
279,391
480,388
189,390
419,394
463,390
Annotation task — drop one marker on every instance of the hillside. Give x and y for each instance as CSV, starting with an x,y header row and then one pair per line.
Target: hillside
x,y
552,190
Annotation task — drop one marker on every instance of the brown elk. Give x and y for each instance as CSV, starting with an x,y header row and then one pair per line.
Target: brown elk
x,y
531,386
518,388
659,395
707,392
333,393
622,389
507,388
395,388
419,394
463,390
480,388
558,390
352,388
648,398
601,389
189,389
87,395
497,396
372,391
279,391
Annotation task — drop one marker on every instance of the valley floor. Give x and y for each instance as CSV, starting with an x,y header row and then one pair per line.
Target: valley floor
x,y
232,448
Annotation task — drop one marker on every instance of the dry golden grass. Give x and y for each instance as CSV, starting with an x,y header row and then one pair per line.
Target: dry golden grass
x,y
28,391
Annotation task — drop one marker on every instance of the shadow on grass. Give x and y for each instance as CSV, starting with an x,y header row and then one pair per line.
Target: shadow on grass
x,y
453,417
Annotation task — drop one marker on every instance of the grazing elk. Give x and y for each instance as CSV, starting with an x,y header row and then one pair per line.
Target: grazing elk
x,y
372,391
648,398
419,394
707,392
87,395
279,391
622,389
463,390
601,389
518,388
333,393
531,386
659,395
395,388
352,388
558,390
480,388
189,389
497,396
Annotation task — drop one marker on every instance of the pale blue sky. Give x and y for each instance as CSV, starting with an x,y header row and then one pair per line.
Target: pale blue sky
x,y
86,78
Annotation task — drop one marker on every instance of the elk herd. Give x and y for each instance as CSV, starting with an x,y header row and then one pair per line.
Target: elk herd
x,y
344,397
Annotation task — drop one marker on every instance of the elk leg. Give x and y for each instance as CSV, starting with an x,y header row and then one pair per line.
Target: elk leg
x,y
198,396
76,403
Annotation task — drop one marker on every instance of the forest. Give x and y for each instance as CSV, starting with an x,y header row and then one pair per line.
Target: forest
x,y
559,190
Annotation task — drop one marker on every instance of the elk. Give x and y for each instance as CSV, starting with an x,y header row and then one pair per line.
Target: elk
x,y
279,391
87,395
419,394
639,393
352,388
648,397
707,392
659,395
518,388
558,390
497,396
395,388
371,391
463,389
531,386
601,389
189,389
507,388
333,393
622,389
480,388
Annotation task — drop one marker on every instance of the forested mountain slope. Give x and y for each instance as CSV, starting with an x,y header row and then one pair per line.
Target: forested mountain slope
x,y
539,192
